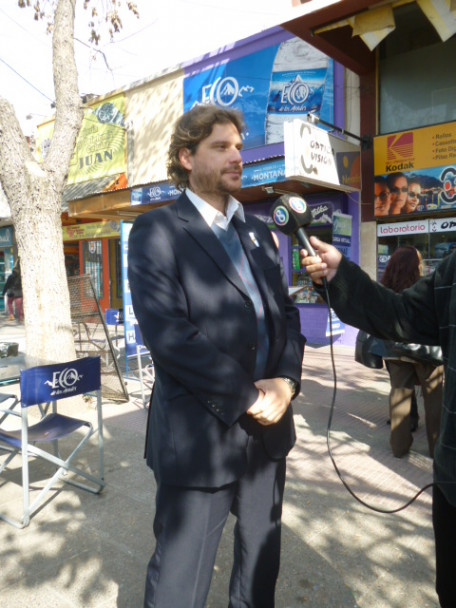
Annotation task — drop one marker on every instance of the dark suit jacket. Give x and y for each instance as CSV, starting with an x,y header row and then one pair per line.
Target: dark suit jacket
x,y
200,326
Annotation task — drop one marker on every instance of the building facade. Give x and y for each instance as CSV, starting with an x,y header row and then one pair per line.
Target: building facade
x,y
119,166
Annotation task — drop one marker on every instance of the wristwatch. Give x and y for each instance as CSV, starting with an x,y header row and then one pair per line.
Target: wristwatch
x,y
292,384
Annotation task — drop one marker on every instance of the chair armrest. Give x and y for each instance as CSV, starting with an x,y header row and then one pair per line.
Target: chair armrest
x,y
8,412
5,396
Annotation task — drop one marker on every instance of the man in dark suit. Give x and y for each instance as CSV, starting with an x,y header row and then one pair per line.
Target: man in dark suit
x,y
212,303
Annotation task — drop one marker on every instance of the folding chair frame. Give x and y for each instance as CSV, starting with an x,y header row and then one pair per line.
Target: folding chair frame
x,y
146,372
51,428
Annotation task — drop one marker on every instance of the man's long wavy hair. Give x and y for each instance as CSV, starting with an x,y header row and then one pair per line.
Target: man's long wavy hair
x,y
403,268
190,130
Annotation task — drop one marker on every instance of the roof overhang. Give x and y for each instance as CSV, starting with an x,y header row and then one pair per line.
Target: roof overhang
x,y
337,43
349,30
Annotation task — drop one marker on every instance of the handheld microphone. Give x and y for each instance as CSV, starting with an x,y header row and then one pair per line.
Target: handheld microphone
x,y
290,213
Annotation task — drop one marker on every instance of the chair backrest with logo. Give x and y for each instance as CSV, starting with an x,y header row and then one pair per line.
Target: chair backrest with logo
x,y
59,380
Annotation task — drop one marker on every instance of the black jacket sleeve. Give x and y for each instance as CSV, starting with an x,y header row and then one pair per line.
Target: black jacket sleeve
x,y
409,316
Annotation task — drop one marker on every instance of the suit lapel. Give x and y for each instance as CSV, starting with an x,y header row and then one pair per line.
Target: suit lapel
x,y
194,224
254,253
258,262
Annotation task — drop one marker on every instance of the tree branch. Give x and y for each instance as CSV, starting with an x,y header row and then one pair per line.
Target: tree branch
x,y
69,113
14,153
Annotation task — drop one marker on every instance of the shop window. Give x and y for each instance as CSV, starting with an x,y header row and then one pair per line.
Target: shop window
x,y
441,245
93,264
432,247
71,252
426,95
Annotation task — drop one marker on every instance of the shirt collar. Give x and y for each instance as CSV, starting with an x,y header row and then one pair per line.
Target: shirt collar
x,y
213,217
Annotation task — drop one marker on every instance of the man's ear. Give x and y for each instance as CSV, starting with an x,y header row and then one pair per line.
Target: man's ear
x,y
185,158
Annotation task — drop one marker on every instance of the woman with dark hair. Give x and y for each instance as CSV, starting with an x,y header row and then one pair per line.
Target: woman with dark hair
x,y
13,291
404,268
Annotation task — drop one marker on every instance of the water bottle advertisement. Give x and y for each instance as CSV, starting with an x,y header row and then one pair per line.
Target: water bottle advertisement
x,y
272,85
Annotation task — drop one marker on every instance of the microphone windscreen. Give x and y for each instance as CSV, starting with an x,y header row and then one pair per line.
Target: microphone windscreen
x,y
291,212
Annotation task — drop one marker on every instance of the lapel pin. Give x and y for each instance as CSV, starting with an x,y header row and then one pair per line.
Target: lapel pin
x,y
254,239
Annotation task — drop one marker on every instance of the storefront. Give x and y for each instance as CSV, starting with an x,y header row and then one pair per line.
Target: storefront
x,y
335,220
434,238
415,172
98,248
400,57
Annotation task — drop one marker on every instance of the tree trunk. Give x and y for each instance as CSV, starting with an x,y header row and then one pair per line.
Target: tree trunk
x,y
48,327
34,193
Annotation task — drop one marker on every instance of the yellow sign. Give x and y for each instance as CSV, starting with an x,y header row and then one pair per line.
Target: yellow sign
x,y
409,151
415,171
97,230
101,145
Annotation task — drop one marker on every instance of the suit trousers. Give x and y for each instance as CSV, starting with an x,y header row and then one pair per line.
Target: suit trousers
x,y
404,375
444,522
188,525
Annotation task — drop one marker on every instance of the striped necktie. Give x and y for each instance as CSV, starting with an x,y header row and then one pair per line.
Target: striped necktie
x,y
231,242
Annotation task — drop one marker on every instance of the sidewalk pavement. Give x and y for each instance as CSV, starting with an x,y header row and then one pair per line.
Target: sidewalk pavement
x,y
86,551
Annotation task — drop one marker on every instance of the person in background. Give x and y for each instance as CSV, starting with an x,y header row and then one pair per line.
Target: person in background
x,y
402,271
414,195
212,303
398,186
382,197
424,314
13,291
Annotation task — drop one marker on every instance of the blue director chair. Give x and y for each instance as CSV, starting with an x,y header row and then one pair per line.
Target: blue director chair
x,y
48,384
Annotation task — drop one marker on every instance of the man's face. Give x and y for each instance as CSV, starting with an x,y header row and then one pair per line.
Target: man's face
x,y
413,199
399,193
215,168
382,199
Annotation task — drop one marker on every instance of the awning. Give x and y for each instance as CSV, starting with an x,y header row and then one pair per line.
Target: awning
x,y
375,23
81,190
349,30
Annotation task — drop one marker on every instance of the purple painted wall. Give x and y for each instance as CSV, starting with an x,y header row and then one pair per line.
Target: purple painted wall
x,y
314,317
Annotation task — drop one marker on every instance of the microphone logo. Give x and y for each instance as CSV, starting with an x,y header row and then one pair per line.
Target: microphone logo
x,y
298,204
281,216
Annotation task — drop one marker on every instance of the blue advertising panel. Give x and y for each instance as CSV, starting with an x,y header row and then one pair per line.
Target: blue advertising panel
x,y
129,315
278,83
263,173
155,193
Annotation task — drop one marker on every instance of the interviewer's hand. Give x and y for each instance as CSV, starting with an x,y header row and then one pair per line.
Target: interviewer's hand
x,y
272,407
325,264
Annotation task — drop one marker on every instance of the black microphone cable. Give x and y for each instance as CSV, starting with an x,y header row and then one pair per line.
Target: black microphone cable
x,y
295,216
328,430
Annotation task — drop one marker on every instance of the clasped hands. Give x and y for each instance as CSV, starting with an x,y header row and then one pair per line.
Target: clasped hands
x,y
273,401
